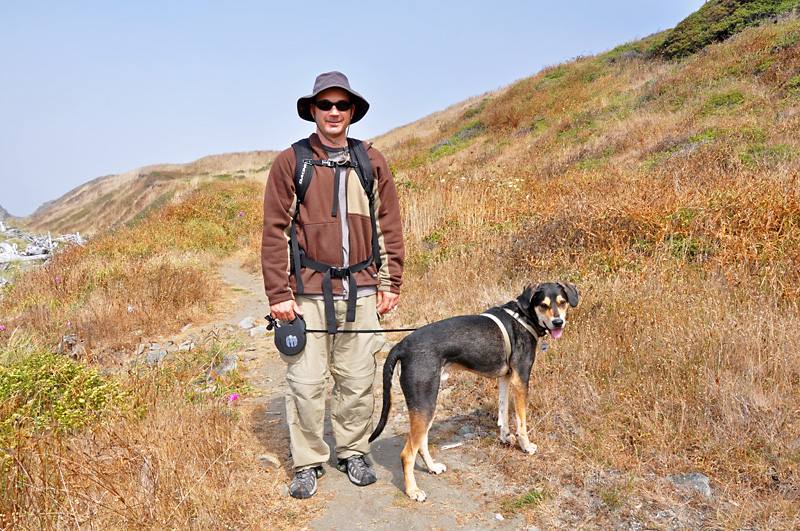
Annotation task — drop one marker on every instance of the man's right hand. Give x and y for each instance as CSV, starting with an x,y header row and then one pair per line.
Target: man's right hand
x,y
285,311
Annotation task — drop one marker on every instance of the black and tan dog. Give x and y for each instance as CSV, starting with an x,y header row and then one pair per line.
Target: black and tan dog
x,y
500,343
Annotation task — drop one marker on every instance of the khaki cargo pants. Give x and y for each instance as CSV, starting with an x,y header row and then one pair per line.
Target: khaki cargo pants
x,y
350,359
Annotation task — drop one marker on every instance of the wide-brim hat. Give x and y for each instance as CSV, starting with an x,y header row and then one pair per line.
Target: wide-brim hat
x,y
332,80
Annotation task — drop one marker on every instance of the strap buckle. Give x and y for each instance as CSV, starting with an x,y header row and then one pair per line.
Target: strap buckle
x,y
339,272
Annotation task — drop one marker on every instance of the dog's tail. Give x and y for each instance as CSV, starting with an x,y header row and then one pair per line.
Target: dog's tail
x,y
388,371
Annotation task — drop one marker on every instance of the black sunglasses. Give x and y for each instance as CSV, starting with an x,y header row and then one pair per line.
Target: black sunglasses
x,y
325,105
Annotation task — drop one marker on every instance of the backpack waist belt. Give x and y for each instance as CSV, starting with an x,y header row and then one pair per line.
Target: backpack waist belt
x,y
345,273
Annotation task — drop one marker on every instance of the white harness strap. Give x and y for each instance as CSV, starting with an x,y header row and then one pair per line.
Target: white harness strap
x,y
506,339
522,321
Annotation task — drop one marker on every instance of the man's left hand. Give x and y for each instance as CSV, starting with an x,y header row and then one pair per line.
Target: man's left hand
x,y
387,301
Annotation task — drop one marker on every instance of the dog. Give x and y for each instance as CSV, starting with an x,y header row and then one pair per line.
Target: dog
x,y
500,343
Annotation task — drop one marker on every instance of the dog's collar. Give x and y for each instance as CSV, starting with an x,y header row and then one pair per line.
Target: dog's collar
x,y
525,322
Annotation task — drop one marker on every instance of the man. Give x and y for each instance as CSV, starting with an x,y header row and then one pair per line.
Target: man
x,y
334,235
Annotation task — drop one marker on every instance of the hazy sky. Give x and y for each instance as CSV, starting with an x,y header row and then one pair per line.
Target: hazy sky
x,y
92,88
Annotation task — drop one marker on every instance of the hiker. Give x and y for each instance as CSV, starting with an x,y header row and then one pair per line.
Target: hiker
x,y
332,254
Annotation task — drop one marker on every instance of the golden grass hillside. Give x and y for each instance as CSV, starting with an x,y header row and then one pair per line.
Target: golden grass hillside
x,y
666,190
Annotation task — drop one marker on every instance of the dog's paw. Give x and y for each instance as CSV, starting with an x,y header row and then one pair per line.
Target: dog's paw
x,y
437,468
528,448
417,495
507,438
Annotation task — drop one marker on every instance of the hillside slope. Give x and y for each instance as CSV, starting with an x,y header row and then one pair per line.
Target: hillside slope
x,y
107,202
610,161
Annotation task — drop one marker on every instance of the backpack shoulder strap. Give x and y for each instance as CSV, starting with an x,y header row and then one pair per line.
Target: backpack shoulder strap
x,y
363,165
366,175
303,172
304,169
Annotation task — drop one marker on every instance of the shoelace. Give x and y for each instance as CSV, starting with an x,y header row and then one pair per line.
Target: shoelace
x,y
304,477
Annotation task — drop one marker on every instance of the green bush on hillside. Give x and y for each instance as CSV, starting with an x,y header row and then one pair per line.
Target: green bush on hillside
x,y
716,21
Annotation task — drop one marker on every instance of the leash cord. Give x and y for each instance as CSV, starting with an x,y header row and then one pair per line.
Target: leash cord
x,y
273,323
367,331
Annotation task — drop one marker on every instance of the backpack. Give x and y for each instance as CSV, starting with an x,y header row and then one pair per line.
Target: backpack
x,y
304,172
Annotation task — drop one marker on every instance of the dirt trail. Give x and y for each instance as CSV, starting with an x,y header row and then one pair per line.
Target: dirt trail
x,y
464,497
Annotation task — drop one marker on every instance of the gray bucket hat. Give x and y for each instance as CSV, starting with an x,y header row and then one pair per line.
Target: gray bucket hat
x,y
332,80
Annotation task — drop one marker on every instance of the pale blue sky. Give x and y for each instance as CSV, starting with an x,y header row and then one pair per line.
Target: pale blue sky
x,y
91,88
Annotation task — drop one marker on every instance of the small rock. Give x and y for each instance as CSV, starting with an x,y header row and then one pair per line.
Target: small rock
x,y
247,323
695,481
229,363
155,357
258,331
269,461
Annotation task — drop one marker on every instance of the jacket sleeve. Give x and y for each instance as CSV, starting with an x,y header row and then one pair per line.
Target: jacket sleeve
x,y
389,225
279,206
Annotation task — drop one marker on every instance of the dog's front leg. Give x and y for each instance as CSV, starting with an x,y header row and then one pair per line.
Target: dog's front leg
x,y
503,384
521,402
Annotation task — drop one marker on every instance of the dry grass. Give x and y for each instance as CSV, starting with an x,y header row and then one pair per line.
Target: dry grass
x,y
178,459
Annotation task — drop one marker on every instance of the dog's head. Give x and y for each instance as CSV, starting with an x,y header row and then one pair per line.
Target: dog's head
x,y
547,303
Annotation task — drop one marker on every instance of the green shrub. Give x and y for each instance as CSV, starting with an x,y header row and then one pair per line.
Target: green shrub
x,y
43,390
715,21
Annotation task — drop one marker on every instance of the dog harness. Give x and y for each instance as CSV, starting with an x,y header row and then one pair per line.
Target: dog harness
x,y
504,332
506,339
523,321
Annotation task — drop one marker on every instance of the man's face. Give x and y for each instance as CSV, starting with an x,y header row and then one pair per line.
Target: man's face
x,y
333,122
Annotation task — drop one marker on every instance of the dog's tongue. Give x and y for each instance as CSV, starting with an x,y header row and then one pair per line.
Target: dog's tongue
x,y
556,332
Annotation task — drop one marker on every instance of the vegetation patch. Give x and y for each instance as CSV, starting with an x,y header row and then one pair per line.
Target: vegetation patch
x,y
44,391
471,113
458,141
762,154
715,21
723,102
530,500
793,86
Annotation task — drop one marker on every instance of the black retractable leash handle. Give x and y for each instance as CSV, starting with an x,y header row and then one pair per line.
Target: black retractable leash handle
x,y
290,338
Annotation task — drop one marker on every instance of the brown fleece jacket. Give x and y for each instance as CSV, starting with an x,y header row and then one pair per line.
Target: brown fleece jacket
x,y
320,234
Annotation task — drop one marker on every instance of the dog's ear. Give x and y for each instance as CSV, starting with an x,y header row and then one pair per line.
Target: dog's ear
x,y
571,291
526,297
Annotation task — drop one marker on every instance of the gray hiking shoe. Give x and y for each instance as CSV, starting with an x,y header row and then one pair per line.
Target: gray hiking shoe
x,y
304,483
358,471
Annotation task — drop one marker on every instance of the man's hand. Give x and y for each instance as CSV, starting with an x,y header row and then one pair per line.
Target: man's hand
x,y
285,311
387,301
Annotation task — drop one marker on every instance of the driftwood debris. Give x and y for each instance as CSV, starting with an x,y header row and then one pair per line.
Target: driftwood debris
x,y
39,247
